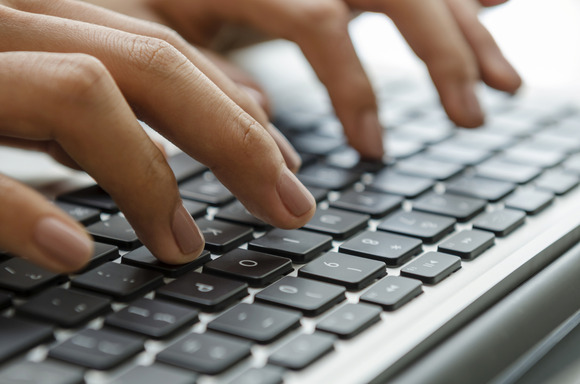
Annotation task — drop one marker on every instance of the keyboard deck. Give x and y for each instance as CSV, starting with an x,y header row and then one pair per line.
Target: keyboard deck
x,y
397,257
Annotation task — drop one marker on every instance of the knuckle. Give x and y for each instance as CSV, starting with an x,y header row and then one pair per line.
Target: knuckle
x,y
155,55
455,65
326,12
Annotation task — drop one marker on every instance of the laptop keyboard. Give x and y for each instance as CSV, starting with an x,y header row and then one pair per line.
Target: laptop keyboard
x,y
263,305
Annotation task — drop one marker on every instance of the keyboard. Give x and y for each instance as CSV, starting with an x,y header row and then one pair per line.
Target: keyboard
x,y
398,256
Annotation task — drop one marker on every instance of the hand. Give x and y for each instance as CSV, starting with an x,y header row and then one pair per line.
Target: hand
x,y
73,80
446,34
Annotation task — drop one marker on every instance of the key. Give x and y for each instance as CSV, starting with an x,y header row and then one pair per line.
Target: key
x,y
300,246
432,267
529,200
66,308
221,236
481,140
408,186
155,374
206,353
429,168
101,349
19,335
185,167
194,208
349,320
459,207
319,194
392,292
349,159
375,204
393,250
237,213
557,182
260,323
315,144
498,169
265,375
480,188
459,155
84,215
45,372
427,227
302,351
154,318
208,292
255,268
309,296
143,258
501,222
206,189
401,148
24,278
102,253
92,196
326,177
120,281
353,273
522,154
336,223
467,244
5,300
116,231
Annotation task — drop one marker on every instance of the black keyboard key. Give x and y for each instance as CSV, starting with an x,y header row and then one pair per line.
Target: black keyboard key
x,y
221,236
459,207
268,374
206,189
116,231
260,323
501,170
315,144
482,140
319,194
468,244
392,292
100,349
302,351
300,246
429,168
143,258
208,292
309,296
480,188
408,186
389,248
501,222
531,201
206,353
371,203
92,196
336,223
65,307
350,320
526,155
321,176
45,372
102,253
237,213
432,267
24,278
194,208
122,282
5,300
558,182
185,167
353,273
153,318
155,374
255,268
19,335
84,215
425,226
459,155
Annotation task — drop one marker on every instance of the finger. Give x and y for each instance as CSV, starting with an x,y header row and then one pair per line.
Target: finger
x,y
100,16
174,97
491,3
495,70
432,32
37,230
71,99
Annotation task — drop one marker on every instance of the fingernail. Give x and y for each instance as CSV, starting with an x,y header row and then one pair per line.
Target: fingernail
x,y
63,243
471,104
292,158
371,133
186,233
294,195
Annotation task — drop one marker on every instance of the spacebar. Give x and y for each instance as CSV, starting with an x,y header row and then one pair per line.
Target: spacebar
x,y
488,345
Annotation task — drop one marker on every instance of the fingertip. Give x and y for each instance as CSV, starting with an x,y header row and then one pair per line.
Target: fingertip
x,y
295,197
187,235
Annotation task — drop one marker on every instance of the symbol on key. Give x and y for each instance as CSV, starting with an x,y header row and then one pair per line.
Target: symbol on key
x,y
291,240
248,263
330,219
204,287
213,231
331,264
429,225
288,289
165,317
467,240
392,288
370,241
139,311
396,247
